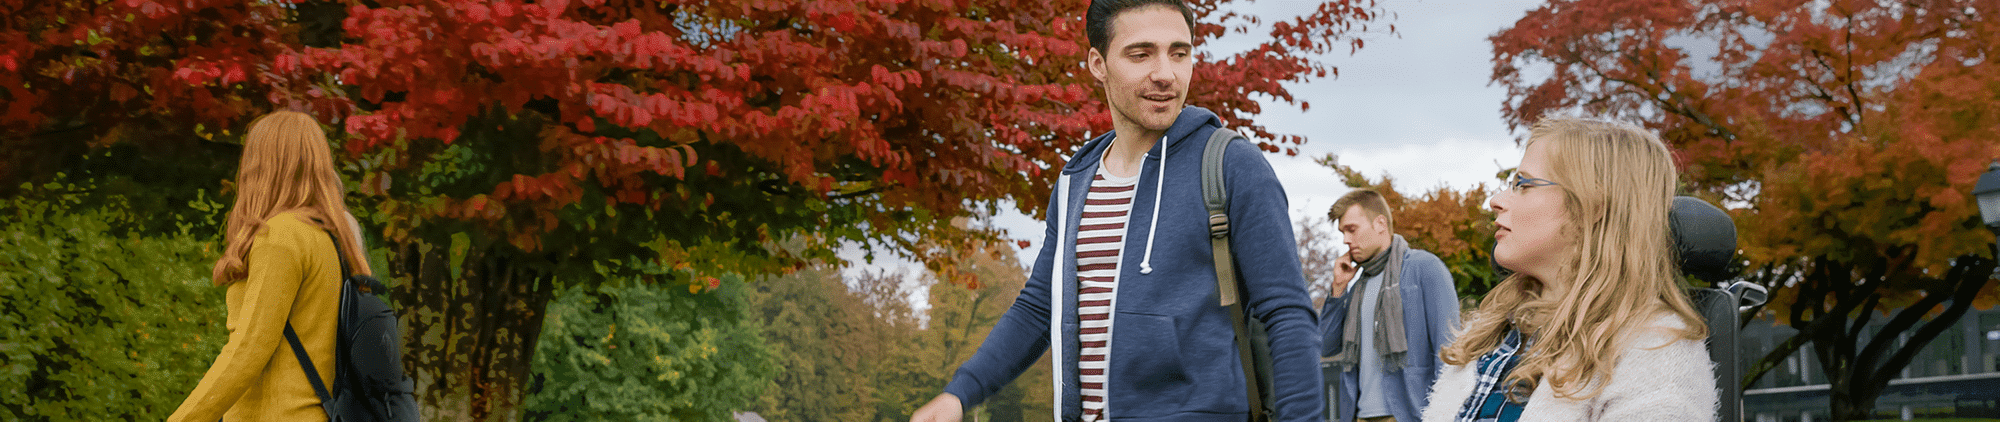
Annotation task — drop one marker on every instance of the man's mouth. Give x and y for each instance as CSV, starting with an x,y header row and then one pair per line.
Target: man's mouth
x,y
1160,97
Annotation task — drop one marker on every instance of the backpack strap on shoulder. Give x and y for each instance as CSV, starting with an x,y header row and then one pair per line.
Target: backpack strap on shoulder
x,y
312,374
367,284
299,348
1215,196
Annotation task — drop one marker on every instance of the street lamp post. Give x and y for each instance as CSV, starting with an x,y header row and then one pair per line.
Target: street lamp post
x,y
1987,192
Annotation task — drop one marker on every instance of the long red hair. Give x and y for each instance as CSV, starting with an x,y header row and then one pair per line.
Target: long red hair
x,y
287,166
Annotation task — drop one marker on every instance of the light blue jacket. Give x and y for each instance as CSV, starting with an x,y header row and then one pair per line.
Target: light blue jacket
x,y
1430,313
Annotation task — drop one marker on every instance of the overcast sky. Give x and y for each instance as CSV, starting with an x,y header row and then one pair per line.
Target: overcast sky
x,y
1414,105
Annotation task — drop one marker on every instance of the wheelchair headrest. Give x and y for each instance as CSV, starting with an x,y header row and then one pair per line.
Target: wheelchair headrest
x,y
1704,240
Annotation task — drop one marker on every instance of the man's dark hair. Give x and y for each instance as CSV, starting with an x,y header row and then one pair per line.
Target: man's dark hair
x,y
1097,21
1370,202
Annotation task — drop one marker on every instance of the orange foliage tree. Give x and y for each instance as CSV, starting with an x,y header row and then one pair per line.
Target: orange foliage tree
x,y
1845,135
504,149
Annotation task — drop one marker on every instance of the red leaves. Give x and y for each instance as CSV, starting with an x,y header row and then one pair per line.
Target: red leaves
x,y
663,161
197,72
476,13
550,8
895,81
149,8
947,103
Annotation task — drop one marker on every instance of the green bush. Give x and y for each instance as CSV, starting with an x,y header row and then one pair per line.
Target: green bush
x,y
98,323
635,352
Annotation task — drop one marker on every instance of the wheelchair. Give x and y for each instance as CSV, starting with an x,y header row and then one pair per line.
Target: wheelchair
x,y
1705,238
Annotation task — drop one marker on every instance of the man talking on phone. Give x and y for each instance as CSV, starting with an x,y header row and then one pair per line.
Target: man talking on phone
x,y
1382,328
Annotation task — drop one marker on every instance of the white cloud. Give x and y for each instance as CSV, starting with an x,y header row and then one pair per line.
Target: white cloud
x,y
1417,167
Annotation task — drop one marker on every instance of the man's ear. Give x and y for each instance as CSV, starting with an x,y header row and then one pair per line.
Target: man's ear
x,y
1382,221
1096,64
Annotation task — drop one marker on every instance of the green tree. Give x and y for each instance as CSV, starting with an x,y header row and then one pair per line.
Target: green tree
x,y
637,352
827,339
855,348
961,314
97,325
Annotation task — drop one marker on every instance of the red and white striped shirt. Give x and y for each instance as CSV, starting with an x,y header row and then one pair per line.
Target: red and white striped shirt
x,y
1099,239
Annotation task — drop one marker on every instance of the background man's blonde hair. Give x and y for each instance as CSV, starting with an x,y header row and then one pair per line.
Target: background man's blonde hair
x,y
1369,200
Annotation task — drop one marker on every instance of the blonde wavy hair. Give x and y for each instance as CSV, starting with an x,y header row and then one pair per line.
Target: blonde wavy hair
x,y
287,166
1618,181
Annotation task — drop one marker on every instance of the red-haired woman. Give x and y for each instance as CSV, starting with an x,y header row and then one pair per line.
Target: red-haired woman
x,y
281,267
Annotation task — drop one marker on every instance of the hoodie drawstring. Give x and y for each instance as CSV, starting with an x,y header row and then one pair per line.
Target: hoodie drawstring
x,y
1146,265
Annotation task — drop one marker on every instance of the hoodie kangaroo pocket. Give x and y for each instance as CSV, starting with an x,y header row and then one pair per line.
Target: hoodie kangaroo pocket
x,y
1147,376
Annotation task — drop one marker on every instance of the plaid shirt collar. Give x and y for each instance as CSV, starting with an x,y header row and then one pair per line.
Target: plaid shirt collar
x,y
1489,401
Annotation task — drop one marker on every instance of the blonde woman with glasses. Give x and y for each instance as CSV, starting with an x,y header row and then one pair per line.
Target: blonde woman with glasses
x,y
1593,325
279,268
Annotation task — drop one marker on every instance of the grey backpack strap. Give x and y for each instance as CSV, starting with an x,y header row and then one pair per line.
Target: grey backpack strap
x,y
1215,197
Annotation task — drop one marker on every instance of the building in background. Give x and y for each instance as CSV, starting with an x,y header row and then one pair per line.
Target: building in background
x,y
1956,376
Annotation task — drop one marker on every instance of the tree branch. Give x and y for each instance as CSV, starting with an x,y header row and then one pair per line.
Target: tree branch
x,y
863,192
1770,360
1969,279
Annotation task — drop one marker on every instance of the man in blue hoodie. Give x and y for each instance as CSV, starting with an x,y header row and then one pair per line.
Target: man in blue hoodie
x,y
1125,287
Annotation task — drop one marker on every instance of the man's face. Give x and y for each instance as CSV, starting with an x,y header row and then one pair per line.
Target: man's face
x,y
1147,70
1365,234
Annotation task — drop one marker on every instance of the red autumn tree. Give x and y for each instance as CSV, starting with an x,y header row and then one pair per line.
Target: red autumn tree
x,y
1849,133
503,149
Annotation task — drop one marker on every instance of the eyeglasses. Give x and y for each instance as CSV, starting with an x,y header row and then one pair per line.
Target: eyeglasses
x,y
1518,183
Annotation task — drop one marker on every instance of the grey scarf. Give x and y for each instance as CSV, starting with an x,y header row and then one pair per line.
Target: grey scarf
x,y
1390,341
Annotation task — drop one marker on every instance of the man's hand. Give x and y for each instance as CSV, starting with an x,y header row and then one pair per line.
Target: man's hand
x,y
944,408
1344,270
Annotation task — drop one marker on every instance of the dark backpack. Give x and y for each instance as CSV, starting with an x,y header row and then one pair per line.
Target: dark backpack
x,y
1253,344
368,380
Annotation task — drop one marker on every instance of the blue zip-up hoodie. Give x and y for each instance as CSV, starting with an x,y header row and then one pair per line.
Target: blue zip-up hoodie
x,y
1173,350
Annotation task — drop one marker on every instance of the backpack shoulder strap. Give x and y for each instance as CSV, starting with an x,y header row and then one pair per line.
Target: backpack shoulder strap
x,y
312,374
299,348
1216,197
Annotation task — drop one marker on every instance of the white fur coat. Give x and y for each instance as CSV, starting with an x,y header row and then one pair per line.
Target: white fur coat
x,y
1659,377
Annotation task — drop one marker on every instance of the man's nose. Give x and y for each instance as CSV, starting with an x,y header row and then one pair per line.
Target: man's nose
x,y
1162,73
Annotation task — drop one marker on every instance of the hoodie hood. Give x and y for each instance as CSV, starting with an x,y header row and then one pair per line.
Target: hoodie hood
x,y
1192,119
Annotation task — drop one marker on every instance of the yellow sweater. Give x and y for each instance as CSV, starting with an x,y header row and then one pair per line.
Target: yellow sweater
x,y
293,274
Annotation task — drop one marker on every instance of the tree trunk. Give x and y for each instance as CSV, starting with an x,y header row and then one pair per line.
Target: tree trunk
x,y
469,340
1849,405
1860,366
